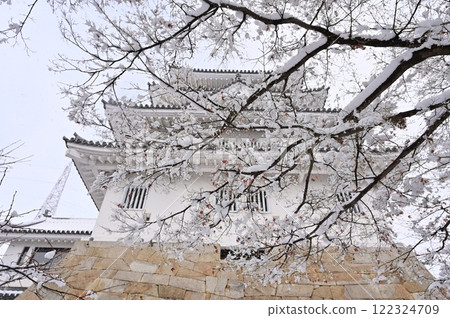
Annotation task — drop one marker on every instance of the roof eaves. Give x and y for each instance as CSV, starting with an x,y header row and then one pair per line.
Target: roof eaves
x,y
223,71
76,139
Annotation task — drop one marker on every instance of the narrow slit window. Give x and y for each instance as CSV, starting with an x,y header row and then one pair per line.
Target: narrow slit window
x,y
226,195
258,201
343,197
134,198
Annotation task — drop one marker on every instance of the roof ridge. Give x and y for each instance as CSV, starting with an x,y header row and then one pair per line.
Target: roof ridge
x,y
229,71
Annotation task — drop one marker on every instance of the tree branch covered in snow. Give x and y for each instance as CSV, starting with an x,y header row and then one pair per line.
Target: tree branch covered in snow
x,y
343,177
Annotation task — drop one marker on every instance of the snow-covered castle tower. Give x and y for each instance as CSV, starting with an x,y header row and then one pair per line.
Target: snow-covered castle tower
x,y
93,159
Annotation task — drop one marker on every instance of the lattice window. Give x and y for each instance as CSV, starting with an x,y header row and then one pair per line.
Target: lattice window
x,y
134,198
39,256
226,195
258,201
227,144
343,197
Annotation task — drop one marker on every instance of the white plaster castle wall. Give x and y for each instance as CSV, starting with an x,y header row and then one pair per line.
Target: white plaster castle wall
x,y
160,203
12,253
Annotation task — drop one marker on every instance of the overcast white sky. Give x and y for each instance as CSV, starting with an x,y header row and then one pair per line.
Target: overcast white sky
x,y
31,113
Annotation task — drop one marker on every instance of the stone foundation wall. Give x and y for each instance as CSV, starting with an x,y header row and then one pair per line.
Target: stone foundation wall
x,y
107,270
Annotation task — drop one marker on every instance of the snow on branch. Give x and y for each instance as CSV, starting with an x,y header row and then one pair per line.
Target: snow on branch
x,y
389,75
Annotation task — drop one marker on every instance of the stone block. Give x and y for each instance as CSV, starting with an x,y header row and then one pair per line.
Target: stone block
x,y
128,276
98,252
109,273
229,273
216,285
386,255
328,257
221,285
187,283
394,291
117,252
80,248
109,263
338,293
191,256
73,294
359,258
110,296
81,279
321,278
361,268
322,292
64,272
235,289
261,297
130,254
206,268
418,296
141,297
184,272
86,263
167,268
170,292
362,292
155,279
72,260
209,257
144,254
63,289
219,297
190,295
294,298
414,287
257,289
157,258
336,267
143,267
196,254
112,286
211,283
298,278
142,288
28,295
96,285
211,248
314,268
103,244
389,280
186,264
294,290
346,278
